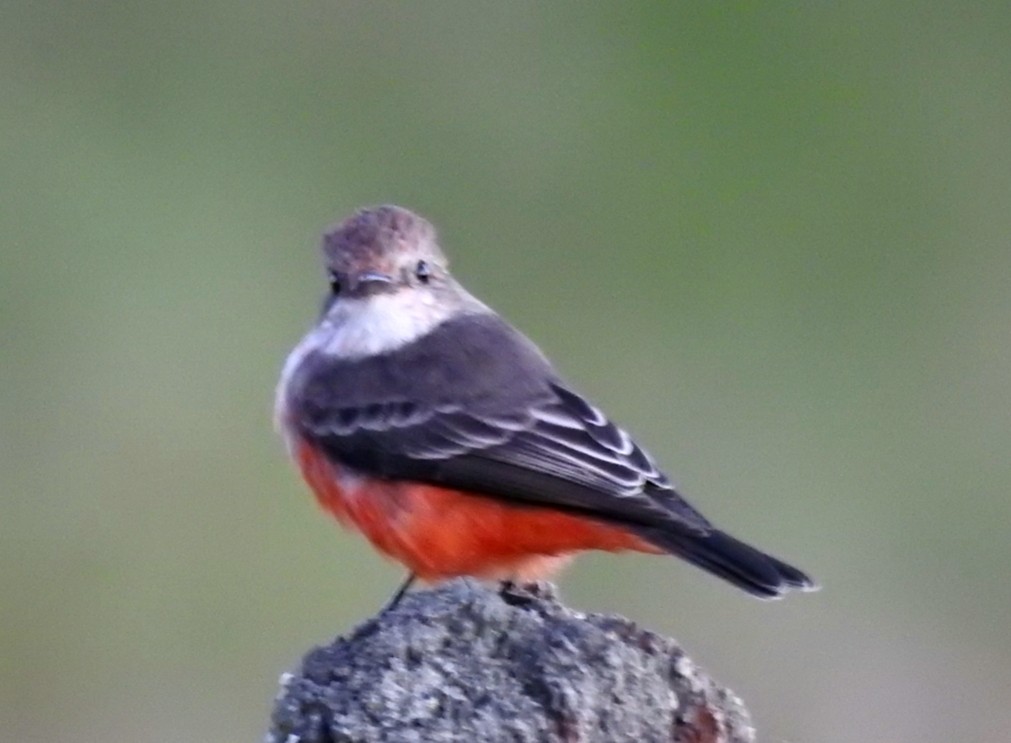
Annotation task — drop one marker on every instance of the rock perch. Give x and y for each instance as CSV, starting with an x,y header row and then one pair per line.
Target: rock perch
x,y
465,662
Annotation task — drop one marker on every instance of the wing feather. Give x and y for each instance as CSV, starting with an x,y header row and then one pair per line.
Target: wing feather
x,y
558,450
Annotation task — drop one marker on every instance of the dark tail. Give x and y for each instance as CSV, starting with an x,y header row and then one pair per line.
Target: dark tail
x,y
746,567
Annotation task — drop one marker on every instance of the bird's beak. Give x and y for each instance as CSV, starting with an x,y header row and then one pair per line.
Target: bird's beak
x,y
369,281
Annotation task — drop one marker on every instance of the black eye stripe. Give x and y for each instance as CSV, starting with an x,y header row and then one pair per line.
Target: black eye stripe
x,y
335,282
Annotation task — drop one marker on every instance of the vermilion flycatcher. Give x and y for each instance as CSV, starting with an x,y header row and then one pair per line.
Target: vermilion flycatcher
x,y
427,422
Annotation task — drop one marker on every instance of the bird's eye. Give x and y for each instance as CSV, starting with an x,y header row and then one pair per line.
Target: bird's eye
x,y
423,271
335,283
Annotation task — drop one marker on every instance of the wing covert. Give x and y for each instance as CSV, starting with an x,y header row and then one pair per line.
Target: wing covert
x,y
554,450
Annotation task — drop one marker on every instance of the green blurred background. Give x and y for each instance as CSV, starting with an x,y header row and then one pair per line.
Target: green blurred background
x,y
772,241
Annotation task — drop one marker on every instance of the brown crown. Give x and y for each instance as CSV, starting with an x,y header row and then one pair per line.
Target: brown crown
x,y
375,233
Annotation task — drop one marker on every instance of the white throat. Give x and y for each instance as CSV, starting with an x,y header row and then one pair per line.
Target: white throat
x,y
356,328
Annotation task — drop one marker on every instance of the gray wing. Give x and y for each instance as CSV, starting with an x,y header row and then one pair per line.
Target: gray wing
x,y
556,450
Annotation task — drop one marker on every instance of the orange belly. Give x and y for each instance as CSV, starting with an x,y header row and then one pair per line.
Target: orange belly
x,y
441,533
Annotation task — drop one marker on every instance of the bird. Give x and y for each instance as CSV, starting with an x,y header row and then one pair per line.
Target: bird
x,y
425,421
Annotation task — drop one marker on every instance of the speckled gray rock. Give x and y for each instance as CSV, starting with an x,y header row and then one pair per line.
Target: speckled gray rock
x,y
463,662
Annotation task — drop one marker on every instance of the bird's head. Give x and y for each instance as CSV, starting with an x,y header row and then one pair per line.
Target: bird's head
x,y
389,283
382,250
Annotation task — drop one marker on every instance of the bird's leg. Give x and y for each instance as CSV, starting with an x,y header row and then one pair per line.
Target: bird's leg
x,y
404,587
515,593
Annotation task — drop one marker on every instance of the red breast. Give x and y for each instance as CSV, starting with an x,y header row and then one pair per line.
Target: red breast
x,y
442,533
